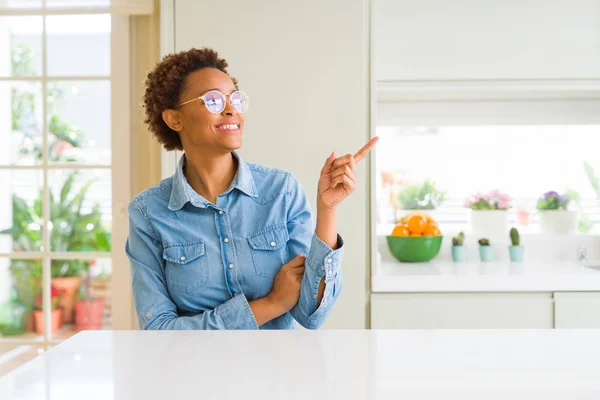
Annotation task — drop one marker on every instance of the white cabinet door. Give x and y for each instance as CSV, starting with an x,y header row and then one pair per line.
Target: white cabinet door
x,y
483,40
461,311
577,310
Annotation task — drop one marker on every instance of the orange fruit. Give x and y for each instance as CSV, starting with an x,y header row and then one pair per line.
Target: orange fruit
x,y
416,224
400,230
415,234
419,213
432,230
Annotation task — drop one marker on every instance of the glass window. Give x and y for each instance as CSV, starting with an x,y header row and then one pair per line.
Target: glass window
x,y
455,162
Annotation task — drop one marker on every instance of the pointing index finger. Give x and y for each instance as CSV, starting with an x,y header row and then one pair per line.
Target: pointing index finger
x,y
362,153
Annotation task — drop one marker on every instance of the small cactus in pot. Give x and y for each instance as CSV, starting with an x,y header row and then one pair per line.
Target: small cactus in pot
x,y
459,252
486,251
516,251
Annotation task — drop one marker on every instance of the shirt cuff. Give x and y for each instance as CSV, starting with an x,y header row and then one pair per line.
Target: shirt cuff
x,y
323,260
237,314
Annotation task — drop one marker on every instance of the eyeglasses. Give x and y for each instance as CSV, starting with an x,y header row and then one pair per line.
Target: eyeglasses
x,y
215,101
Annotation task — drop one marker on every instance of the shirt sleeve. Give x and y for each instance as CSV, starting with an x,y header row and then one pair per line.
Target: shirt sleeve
x,y
154,307
321,260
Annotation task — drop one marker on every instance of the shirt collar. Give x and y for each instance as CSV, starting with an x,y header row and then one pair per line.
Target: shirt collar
x,y
182,192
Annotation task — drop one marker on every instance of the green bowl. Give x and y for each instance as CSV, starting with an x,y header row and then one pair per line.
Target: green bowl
x,y
414,248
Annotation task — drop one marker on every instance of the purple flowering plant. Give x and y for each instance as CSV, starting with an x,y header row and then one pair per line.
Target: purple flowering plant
x,y
553,200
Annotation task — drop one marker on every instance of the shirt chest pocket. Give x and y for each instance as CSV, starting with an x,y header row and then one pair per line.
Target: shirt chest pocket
x,y
186,267
269,250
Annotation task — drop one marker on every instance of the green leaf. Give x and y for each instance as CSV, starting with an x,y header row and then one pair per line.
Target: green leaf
x,y
594,180
10,231
423,196
67,187
37,205
77,201
103,241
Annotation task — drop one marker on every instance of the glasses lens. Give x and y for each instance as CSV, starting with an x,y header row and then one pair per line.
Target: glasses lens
x,y
214,101
240,101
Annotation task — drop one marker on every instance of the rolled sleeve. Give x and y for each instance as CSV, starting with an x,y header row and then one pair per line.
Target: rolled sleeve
x,y
237,314
321,260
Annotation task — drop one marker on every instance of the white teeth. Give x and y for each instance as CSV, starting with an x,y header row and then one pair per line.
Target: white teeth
x,y
229,126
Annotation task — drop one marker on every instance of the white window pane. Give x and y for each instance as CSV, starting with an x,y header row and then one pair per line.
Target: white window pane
x,y
19,287
85,299
79,122
78,45
523,161
20,46
23,4
20,123
81,210
21,210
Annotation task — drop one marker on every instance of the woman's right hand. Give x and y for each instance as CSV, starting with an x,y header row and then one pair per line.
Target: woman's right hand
x,y
286,286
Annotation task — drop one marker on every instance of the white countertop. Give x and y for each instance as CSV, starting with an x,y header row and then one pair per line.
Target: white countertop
x,y
476,276
357,364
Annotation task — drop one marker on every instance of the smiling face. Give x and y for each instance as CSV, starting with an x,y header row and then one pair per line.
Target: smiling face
x,y
200,129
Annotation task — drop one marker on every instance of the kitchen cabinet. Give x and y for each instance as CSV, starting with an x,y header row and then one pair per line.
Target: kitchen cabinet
x,y
461,310
560,310
574,310
436,40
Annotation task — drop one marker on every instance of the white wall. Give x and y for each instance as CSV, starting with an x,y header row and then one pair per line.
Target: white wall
x,y
283,53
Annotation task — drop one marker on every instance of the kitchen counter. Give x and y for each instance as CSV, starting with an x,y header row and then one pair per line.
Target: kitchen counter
x,y
475,276
335,364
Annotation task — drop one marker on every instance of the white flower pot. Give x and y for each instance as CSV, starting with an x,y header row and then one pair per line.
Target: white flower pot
x,y
489,223
559,221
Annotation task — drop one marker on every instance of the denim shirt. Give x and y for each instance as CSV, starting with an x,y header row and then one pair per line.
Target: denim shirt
x,y
196,265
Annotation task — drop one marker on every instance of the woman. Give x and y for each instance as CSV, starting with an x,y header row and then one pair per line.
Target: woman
x,y
224,244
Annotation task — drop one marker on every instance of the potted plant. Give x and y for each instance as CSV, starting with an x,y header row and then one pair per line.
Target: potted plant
x,y
55,309
13,316
70,226
516,251
28,283
419,196
88,310
486,251
70,232
555,217
489,213
459,252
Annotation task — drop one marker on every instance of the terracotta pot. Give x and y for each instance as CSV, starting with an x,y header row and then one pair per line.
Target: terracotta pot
x,y
31,322
88,314
523,217
55,321
68,291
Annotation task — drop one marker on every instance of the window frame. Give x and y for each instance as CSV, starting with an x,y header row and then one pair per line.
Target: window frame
x,y
120,167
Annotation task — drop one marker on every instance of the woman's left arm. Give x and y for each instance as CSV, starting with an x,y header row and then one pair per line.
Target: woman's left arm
x,y
322,281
